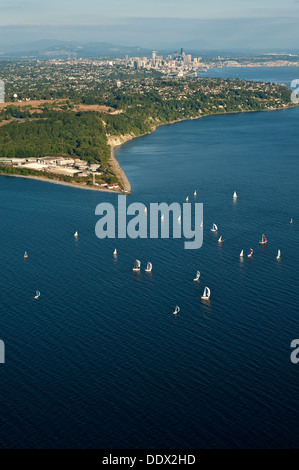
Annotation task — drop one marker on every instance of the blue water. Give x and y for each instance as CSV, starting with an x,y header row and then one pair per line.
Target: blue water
x,y
282,75
99,360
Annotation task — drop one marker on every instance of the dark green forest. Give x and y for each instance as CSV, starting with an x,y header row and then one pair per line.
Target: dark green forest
x,y
80,135
57,130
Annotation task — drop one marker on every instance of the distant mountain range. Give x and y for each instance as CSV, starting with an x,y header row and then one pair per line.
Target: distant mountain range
x,y
47,49
52,48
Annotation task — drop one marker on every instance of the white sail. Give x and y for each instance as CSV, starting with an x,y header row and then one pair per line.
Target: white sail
x,y
145,209
187,198
149,267
25,254
195,193
162,217
37,294
220,239
197,276
201,225
179,218
235,195
242,254
206,293
137,265
76,234
278,254
115,252
214,228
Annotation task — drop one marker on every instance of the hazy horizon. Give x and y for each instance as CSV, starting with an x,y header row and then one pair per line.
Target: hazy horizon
x,y
218,24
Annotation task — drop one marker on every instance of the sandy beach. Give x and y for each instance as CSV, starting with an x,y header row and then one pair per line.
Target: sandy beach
x,y
64,183
121,175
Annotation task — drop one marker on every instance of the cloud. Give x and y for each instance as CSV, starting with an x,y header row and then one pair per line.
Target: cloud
x,y
63,12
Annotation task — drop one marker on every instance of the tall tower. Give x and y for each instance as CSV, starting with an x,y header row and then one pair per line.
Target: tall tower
x,y
182,50
154,55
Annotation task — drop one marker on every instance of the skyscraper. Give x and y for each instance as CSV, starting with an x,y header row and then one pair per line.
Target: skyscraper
x,y
182,50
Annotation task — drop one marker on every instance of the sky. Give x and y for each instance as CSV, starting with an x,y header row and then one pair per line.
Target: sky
x,y
153,23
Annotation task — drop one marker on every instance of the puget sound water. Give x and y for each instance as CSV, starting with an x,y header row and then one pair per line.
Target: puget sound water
x,y
100,360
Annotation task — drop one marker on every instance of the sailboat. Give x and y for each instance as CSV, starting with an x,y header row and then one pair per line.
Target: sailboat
x,y
214,228
115,252
137,265
187,198
291,221
179,218
251,253
278,255
195,193
235,195
176,310
37,295
162,217
206,294
25,255
242,254
264,240
197,276
201,225
149,267
76,234
220,239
